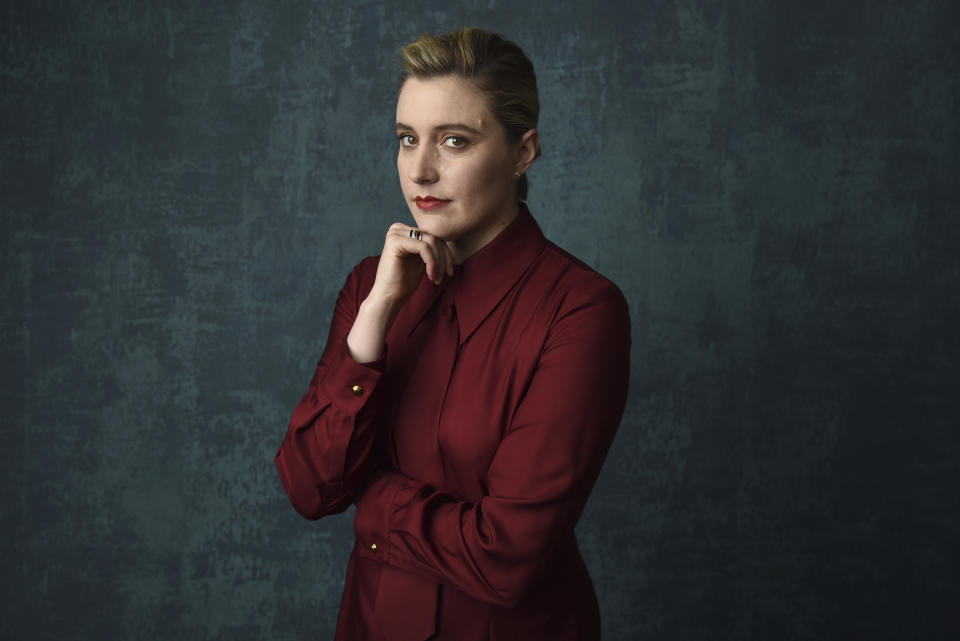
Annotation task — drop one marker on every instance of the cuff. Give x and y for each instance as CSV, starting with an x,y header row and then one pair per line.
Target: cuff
x,y
371,523
347,383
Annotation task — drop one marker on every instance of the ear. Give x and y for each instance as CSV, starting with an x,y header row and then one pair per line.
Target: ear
x,y
527,151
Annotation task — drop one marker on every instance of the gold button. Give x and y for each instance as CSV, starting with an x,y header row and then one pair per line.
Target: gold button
x,y
373,547
357,390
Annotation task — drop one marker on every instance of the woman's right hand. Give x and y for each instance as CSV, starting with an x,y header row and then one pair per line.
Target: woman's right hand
x,y
403,262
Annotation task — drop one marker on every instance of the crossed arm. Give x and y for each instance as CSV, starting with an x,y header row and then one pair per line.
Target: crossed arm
x,y
538,481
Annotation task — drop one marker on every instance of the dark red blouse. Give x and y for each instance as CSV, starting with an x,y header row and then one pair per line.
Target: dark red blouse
x,y
470,448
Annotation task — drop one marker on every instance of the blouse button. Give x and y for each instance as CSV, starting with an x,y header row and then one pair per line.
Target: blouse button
x,y
373,547
357,390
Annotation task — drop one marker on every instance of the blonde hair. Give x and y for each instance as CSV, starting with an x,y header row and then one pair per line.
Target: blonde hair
x,y
496,66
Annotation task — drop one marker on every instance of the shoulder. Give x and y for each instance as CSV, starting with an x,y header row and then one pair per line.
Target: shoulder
x,y
578,284
569,296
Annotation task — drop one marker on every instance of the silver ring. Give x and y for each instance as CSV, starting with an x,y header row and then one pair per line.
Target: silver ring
x,y
411,232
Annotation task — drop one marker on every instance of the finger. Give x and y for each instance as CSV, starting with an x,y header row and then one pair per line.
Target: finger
x,y
402,243
436,256
440,265
429,256
439,259
446,258
437,266
449,256
403,239
417,242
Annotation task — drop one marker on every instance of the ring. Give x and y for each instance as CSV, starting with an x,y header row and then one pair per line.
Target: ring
x,y
416,233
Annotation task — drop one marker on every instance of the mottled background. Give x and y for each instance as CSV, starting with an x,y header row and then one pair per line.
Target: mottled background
x,y
772,184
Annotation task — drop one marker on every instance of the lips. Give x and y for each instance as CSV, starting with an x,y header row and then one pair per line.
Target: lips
x,y
430,202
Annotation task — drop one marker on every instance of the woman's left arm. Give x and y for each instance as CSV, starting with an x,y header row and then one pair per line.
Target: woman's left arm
x,y
538,480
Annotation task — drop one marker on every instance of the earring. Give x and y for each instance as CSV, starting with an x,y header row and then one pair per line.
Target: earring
x,y
516,175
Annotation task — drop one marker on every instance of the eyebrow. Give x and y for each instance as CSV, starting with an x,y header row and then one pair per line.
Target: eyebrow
x,y
451,125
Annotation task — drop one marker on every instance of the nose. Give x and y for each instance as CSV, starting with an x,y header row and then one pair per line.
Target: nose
x,y
423,166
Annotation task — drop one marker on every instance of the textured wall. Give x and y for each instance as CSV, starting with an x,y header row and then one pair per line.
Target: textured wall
x,y
772,184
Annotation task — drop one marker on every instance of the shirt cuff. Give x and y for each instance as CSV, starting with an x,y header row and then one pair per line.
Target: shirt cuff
x,y
374,509
347,383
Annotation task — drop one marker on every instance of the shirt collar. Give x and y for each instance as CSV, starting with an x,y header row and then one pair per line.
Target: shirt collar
x,y
481,281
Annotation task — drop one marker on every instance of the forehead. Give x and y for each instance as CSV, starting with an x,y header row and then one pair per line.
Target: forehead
x,y
442,100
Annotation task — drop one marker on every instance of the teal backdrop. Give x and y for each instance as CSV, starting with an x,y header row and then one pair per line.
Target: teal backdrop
x,y
185,185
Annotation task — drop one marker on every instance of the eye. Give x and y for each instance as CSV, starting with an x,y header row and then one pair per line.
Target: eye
x,y
455,142
407,140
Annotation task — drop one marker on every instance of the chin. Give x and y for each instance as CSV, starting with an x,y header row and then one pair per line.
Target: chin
x,y
443,232
436,226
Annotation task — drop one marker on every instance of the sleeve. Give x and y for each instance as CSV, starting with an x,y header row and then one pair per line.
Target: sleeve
x,y
538,481
328,448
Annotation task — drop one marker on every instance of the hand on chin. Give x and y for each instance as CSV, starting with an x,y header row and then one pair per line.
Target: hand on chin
x,y
436,227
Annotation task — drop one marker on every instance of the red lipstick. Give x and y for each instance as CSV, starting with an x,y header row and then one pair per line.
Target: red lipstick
x,y
429,202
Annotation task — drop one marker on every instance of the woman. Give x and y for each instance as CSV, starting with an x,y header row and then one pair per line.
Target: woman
x,y
472,381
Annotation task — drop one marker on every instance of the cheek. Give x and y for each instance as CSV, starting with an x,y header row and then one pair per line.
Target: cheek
x,y
482,178
403,174
491,178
